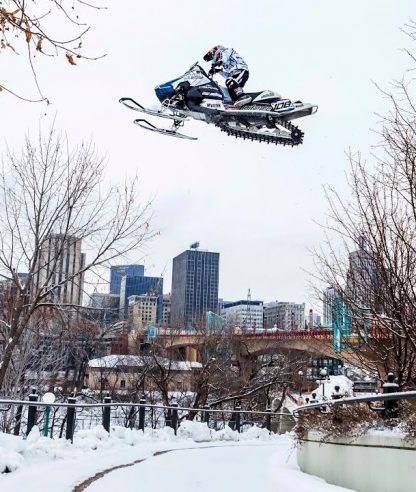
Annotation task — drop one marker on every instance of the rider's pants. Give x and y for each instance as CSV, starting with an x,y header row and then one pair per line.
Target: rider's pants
x,y
235,83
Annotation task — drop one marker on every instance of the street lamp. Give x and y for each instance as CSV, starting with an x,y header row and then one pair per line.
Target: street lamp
x,y
323,372
300,374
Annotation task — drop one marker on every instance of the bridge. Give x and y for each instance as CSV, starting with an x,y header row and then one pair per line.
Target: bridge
x,y
252,344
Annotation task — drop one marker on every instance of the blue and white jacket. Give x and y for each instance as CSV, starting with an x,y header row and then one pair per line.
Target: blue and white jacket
x,y
228,59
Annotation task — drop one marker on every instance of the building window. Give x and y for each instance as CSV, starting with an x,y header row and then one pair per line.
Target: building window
x,y
122,383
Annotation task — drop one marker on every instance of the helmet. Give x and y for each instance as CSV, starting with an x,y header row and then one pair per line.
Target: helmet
x,y
210,54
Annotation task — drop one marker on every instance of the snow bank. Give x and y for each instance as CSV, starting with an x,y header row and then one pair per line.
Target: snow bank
x,y
343,382
16,452
10,461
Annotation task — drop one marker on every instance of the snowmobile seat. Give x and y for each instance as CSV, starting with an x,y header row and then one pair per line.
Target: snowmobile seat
x,y
253,95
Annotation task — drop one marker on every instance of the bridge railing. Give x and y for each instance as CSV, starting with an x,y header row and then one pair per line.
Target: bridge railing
x,y
390,399
260,333
64,418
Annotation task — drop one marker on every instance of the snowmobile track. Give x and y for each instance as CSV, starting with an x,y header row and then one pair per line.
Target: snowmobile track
x,y
257,137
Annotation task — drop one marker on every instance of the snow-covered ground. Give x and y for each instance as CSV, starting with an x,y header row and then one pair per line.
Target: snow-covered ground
x,y
345,387
231,461
244,468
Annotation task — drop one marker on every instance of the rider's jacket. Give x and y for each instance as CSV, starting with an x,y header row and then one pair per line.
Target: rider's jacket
x,y
228,59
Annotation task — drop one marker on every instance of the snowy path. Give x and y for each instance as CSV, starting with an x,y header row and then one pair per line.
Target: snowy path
x,y
244,468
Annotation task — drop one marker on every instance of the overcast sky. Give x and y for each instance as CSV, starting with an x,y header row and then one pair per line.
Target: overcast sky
x,y
257,205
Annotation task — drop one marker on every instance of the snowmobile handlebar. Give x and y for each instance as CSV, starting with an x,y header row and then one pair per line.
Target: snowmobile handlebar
x,y
196,64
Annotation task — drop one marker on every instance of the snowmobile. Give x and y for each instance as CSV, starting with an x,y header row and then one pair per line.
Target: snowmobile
x,y
195,95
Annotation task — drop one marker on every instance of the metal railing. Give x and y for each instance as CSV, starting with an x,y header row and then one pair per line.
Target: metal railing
x,y
390,398
20,416
261,333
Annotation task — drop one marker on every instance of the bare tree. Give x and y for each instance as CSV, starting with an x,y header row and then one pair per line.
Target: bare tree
x,y
52,198
227,372
376,285
47,28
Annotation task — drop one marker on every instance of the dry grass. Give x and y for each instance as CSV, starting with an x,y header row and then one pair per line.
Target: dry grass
x,y
352,421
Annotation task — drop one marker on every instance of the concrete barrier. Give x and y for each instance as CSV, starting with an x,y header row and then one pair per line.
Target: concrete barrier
x,y
380,462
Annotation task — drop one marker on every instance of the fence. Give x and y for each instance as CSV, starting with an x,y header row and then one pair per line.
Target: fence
x,y
390,398
62,419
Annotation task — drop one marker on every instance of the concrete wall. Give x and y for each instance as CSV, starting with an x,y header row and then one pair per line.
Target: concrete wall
x,y
378,463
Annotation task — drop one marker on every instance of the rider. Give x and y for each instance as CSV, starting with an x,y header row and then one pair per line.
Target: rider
x,y
235,70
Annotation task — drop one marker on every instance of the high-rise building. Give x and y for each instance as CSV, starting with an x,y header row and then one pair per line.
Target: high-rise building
x,y
317,322
118,271
60,258
194,285
105,307
246,314
139,285
291,316
310,320
362,279
328,306
100,300
284,316
270,315
143,310
166,309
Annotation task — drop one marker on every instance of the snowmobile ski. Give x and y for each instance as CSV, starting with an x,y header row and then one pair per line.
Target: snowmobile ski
x,y
160,113
163,131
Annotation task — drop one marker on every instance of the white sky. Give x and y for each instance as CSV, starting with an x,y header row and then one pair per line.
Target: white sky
x,y
254,204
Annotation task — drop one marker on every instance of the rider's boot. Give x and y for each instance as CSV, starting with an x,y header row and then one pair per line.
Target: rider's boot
x,y
242,100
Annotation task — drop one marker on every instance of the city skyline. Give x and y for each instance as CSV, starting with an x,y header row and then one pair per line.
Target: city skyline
x,y
268,305
254,203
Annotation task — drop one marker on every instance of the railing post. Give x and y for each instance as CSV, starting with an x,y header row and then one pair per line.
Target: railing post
x,y
205,415
391,406
46,421
238,417
31,413
70,419
175,417
337,395
269,419
142,413
107,413
18,420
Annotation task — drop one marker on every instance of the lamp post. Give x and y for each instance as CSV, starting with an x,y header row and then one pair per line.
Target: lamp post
x,y
47,398
323,372
300,374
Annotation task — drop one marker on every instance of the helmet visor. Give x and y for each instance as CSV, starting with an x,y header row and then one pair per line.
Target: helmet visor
x,y
210,55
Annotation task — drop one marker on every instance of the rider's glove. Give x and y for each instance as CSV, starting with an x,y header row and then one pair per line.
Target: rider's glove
x,y
211,72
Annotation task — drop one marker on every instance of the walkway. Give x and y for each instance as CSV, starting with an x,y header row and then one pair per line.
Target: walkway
x,y
245,467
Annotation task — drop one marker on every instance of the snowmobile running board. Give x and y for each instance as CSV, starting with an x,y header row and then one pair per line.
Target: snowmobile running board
x,y
255,110
132,104
171,133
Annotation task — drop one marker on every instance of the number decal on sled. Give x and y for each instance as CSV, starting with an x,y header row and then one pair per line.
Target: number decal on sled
x,y
285,104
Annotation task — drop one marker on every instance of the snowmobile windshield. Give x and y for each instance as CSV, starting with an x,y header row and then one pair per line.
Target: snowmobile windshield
x,y
196,76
